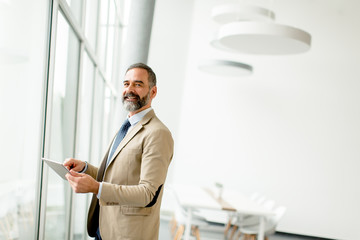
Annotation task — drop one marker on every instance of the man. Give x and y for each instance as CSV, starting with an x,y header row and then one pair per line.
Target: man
x,y
127,187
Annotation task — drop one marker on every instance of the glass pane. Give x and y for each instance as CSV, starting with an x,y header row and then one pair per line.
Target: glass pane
x,y
75,6
91,21
106,118
110,41
102,35
97,149
83,143
63,116
22,62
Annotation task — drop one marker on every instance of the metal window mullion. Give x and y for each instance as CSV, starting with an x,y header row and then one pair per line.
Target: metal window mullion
x,y
39,195
77,28
91,135
76,140
69,16
80,34
97,28
83,15
47,121
73,84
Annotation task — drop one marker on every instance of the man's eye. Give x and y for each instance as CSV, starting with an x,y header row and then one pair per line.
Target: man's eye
x,y
138,85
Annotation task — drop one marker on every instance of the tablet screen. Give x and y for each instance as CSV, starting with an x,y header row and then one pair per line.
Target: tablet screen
x,y
59,168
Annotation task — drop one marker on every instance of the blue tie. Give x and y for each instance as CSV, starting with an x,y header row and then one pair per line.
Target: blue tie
x,y
121,134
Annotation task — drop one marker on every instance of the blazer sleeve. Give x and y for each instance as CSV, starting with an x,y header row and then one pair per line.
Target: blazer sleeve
x,y
157,154
92,170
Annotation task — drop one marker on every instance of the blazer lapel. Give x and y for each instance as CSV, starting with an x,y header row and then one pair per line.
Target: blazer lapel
x,y
132,133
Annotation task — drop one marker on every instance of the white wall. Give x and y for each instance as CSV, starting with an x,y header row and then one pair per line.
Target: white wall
x,y
168,56
290,131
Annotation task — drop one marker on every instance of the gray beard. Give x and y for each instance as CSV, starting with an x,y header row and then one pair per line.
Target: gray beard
x,y
134,106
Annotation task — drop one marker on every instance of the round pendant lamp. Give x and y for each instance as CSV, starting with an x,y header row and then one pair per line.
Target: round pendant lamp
x,y
226,13
226,68
262,38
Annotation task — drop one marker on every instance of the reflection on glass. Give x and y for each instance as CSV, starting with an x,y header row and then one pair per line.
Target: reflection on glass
x,y
63,115
83,143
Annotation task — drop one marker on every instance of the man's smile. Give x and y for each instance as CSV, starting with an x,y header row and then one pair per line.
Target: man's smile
x,y
131,97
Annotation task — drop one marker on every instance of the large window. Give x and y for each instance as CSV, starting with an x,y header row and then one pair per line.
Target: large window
x,y
23,48
60,135
83,140
57,93
81,95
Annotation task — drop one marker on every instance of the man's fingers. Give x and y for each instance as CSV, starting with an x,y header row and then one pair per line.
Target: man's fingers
x,y
72,163
68,162
68,177
73,175
76,174
81,182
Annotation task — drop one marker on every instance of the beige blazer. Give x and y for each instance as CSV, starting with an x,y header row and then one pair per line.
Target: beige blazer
x,y
129,205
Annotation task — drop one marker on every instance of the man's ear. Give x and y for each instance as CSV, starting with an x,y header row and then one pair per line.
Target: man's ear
x,y
153,92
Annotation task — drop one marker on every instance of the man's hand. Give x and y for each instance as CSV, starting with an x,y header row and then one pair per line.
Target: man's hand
x,y
74,164
82,183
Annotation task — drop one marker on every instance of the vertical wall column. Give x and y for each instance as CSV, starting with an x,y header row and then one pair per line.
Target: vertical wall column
x,y
137,33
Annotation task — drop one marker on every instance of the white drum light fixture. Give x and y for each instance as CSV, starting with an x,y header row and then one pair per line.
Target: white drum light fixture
x,y
226,68
262,38
239,12
251,29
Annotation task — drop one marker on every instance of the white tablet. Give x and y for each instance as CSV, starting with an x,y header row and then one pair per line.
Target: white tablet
x,y
59,168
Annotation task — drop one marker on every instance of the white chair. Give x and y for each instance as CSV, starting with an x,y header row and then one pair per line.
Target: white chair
x,y
243,219
260,200
269,204
250,220
180,218
179,222
205,219
271,223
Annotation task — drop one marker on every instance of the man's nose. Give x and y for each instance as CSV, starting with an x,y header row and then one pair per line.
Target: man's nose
x,y
130,89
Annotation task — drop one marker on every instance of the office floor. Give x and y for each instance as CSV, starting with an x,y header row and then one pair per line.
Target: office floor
x,y
217,235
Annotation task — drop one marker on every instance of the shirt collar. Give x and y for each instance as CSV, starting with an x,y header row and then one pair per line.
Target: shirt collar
x,y
134,119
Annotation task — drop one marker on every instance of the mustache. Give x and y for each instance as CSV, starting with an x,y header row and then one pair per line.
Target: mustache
x,y
131,95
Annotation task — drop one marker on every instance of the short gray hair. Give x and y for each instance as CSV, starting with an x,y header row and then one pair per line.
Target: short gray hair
x,y
152,76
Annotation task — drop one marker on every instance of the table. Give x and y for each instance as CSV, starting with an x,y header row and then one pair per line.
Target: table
x,y
192,198
195,197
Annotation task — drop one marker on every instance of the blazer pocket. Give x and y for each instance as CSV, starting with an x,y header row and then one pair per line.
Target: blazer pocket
x,y
135,211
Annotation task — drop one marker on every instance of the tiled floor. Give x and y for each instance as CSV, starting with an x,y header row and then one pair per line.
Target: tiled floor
x,y
218,235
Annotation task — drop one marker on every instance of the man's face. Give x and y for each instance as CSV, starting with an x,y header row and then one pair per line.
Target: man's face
x,y
136,94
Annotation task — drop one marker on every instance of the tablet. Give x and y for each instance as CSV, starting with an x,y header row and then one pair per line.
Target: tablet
x,y
59,168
